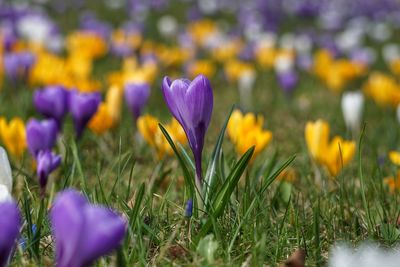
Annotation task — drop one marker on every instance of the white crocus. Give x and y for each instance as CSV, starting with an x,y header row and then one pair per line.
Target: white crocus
x,y
367,255
398,113
352,108
4,194
5,177
167,26
246,84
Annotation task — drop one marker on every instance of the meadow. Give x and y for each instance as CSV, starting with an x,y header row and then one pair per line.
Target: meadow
x,y
264,148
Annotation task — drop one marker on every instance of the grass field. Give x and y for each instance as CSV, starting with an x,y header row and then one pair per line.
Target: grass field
x,y
259,212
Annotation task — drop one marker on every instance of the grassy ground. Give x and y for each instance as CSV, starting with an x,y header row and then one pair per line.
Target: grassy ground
x,y
256,228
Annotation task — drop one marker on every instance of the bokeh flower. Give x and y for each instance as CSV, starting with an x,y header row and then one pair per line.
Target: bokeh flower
x,y
136,97
52,102
13,136
47,162
10,223
82,107
83,232
41,135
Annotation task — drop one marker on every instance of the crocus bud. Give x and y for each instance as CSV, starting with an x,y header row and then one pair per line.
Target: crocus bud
x,y
398,113
82,107
52,102
352,108
189,208
288,81
83,232
47,162
191,103
10,223
41,135
136,97
5,172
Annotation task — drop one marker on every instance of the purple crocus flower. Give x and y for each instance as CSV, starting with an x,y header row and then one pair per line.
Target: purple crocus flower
x,y
82,107
41,135
47,162
83,232
191,103
10,223
136,97
52,102
18,64
288,81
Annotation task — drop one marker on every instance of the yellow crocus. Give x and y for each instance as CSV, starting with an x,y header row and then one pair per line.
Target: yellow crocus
x,y
102,120
394,157
383,89
79,65
227,50
395,66
205,67
317,138
393,182
339,154
234,69
114,102
246,131
149,129
265,54
333,154
13,136
176,132
202,30
336,73
87,43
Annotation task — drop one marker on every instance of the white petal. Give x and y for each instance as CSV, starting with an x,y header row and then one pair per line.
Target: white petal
x,y
5,170
4,194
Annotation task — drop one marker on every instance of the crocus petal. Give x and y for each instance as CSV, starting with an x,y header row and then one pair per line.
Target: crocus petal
x,y
4,194
104,232
136,96
5,170
83,232
47,162
67,218
10,222
83,107
52,102
41,135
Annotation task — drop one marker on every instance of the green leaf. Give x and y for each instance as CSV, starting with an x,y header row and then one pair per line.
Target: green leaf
x,y
209,179
285,191
186,157
389,232
224,194
189,178
272,177
135,211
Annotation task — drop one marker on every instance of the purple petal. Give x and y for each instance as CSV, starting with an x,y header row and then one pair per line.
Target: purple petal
x,y
10,222
136,96
52,102
67,219
41,135
104,232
